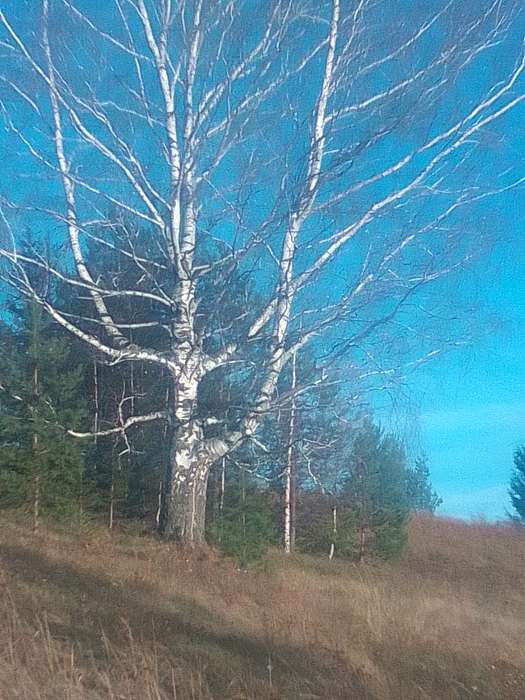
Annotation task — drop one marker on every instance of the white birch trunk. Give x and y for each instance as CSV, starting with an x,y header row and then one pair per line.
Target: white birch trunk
x,y
184,507
289,499
334,532
223,484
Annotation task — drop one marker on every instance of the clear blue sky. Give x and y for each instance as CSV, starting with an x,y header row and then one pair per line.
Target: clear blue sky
x,y
472,401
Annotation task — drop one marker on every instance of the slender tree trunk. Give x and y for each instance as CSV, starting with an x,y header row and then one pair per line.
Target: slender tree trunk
x,y
362,543
36,494
95,397
223,484
363,524
158,514
112,499
289,496
36,475
222,493
81,498
334,532
243,501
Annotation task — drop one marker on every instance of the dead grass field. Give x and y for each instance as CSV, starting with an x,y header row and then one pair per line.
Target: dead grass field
x,y
127,617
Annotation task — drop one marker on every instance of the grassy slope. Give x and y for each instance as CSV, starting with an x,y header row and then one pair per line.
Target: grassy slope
x,y
127,617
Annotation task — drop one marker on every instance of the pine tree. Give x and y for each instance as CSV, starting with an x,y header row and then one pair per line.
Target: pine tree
x,y
421,496
365,513
41,467
244,527
375,494
517,485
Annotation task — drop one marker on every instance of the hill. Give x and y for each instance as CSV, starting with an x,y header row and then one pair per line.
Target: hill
x,y
127,617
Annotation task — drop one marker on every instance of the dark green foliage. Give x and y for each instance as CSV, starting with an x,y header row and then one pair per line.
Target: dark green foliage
x,y
389,535
128,472
41,466
420,494
367,516
245,526
517,486
376,493
314,522
322,523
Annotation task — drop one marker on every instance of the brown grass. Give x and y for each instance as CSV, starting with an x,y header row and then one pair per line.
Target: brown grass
x,y
127,617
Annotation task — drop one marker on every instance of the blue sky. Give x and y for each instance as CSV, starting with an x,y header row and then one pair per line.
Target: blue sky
x,y
472,401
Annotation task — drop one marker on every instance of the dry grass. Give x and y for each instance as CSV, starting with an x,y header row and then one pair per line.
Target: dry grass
x,y
127,617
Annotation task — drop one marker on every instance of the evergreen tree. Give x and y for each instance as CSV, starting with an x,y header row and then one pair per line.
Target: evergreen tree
x,y
375,492
244,526
365,513
517,485
421,496
326,525
41,467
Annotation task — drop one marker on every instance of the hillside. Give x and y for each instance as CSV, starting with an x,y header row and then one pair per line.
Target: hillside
x,y
124,616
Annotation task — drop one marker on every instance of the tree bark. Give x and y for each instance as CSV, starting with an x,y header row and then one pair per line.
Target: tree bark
x,y
184,508
223,484
334,532
289,491
112,498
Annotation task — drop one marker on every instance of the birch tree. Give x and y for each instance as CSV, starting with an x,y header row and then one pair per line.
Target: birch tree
x,y
333,153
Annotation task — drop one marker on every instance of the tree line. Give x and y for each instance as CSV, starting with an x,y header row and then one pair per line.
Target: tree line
x,y
323,488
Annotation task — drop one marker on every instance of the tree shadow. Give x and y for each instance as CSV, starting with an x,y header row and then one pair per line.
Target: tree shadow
x,y
188,630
